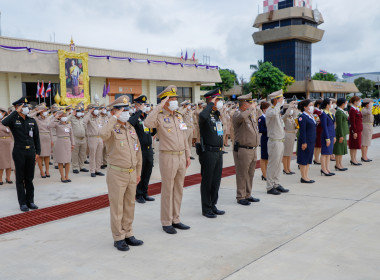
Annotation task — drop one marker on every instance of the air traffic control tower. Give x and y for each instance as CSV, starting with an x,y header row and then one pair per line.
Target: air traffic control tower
x,y
287,28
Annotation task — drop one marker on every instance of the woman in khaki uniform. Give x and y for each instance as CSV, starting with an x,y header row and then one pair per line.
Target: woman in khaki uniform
x,y
367,132
6,147
64,145
290,136
46,139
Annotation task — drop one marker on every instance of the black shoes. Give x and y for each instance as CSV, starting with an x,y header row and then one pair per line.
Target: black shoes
x,y
218,212
326,174
340,169
169,229
75,171
132,241
192,158
99,174
56,167
224,152
121,245
64,181
244,202
32,206
281,189
316,163
263,178
307,182
290,173
356,164
149,198
253,199
181,226
93,175
366,160
140,199
273,191
210,215
83,170
104,166
24,208
86,162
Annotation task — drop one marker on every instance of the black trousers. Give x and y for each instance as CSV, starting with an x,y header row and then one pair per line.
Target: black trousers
x,y
24,169
211,171
146,172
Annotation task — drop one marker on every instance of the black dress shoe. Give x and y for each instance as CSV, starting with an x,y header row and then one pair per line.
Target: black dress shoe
x,y
307,182
11,182
68,181
224,152
192,158
56,167
104,166
218,212
169,229
290,173
332,174
32,206
99,174
281,189
355,164
340,169
326,174
43,176
140,199
149,198
132,241
63,181
83,170
75,171
86,162
273,191
48,175
263,178
316,163
121,245
93,175
244,202
252,199
210,215
181,226
24,208
50,163
1,183
365,160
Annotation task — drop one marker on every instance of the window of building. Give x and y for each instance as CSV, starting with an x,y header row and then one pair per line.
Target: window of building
x,y
340,95
329,95
184,93
314,95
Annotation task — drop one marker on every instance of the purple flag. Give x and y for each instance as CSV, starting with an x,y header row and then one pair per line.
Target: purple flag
x,y
104,91
186,56
108,89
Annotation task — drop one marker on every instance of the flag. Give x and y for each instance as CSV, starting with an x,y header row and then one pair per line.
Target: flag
x,y
181,55
48,91
186,56
42,89
104,90
38,89
108,89
324,72
193,57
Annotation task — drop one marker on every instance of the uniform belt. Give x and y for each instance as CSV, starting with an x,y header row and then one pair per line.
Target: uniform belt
x,y
129,170
173,153
247,147
213,149
279,140
24,147
145,148
45,133
80,138
63,137
95,136
5,137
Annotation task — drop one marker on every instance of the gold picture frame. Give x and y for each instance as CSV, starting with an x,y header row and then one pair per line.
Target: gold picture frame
x,y
76,76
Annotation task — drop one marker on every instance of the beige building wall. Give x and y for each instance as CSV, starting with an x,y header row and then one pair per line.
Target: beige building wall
x,y
4,92
96,87
14,87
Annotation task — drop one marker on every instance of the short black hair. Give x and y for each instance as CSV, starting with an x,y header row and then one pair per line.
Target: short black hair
x,y
304,103
318,103
340,101
325,102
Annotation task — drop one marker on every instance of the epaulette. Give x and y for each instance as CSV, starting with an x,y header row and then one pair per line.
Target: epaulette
x,y
178,112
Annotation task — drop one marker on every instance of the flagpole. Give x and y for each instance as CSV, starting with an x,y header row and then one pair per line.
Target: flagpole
x,y
51,95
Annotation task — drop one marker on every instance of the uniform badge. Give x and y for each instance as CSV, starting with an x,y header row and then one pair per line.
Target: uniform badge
x,y
300,119
167,120
132,132
259,120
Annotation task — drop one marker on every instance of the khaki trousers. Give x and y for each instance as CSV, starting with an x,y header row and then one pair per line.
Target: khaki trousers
x,y
190,137
173,171
275,154
104,162
78,155
95,146
121,195
245,165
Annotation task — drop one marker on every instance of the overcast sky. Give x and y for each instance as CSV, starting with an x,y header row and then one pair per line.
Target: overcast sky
x,y
221,29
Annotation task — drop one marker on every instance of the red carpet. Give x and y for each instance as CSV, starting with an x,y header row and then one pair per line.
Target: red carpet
x,y
52,213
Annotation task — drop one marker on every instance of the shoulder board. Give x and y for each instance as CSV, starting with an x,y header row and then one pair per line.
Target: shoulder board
x,y
161,111
178,112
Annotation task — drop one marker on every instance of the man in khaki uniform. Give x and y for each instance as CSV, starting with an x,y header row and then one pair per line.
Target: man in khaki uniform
x,y
174,156
104,119
95,144
123,173
276,135
196,121
246,132
187,114
79,130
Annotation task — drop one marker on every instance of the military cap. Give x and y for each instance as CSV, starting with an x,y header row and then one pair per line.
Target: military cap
x,y
367,100
247,98
22,100
213,93
41,107
3,109
186,102
276,94
93,106
142,99
120,102
60,113
170,91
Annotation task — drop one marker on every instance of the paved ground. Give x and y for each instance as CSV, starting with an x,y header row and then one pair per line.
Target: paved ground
x,y
328,230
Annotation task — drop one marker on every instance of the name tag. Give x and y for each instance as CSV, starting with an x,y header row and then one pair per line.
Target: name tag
x,y
7,129
182,126
100,126
219,128
136,147
31,133
67,129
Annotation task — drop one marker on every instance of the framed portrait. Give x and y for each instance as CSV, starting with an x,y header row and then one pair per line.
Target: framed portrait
x,y
73,76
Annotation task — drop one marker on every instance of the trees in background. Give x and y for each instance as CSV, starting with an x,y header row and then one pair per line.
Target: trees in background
x,y
325,77
366,87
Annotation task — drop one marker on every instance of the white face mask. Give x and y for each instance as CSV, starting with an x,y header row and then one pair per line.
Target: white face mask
x,y
1,115
25,110
283,102
334,106
45,114
96,112
144,109
124,117
108,113
173,105
219,105
345,106
291,112
104,111
79,114
311,109
64,119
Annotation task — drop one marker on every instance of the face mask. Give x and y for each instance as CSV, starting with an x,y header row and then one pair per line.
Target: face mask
x,y
79,114
291,112
334,106
104,111
1,116
219,105
173,105
144,109
45,114
311,109
189,107
124,117
64,119
108,113
359,104
96,112
345,106
25,110
283,102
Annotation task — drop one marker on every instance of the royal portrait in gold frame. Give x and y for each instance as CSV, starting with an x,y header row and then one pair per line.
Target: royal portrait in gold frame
x,y
73,76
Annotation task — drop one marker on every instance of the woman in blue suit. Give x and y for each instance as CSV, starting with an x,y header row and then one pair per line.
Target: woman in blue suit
x,y
328,136
306,139
263,141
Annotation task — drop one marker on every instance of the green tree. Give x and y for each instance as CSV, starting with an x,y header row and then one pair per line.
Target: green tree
x,y
366,87
229,79
325,77
266,80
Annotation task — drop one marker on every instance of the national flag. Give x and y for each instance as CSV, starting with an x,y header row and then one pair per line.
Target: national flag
x,y
42,89
347,75
181,55
48,90
104,90
324,72
193,57
186,56
38,89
